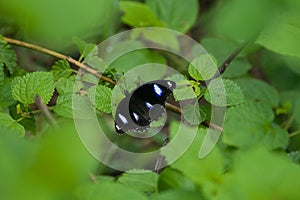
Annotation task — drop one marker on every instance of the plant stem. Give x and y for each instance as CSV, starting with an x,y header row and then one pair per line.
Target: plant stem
x,y
60,56
293,134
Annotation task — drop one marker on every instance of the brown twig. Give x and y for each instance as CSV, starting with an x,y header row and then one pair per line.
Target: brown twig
x,y
44,109
60,56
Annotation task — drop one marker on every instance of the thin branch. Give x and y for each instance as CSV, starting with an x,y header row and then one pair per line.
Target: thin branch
x,y
59,56
223,67
44,109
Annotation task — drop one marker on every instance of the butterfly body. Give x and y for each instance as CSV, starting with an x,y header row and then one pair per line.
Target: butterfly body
x,y
142,106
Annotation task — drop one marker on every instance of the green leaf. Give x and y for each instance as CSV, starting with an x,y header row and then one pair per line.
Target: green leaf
x,y
227,23
251,124
84,48
160,37
293,63
237,68
292,98
178,195
175,14
1,73
184,93
203,67
65,106
259,174
143,182
6,98
220,48
66,85
138,15
94,61
192,115
207,171
289,27
234,94
272,66
61,69
109,191
101,96
125,62
7,122
258,90
173,179
8,57
25,88
295,156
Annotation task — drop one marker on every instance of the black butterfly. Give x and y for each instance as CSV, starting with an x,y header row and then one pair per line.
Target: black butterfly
x,y
142,106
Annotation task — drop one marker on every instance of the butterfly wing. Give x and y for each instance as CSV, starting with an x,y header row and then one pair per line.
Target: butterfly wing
x,y
144,105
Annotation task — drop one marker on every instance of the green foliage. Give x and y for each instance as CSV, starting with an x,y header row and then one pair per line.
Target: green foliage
x,y
84,48
171,179
181,20
6,98
261,175
257,155
138,15
203,67
8,59
101,97
145,182
61,69
26,88
251,124
259,91
233,93
7,122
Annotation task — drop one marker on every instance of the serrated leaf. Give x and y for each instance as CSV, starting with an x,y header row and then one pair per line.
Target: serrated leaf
x,y
93,60
233,93
100,96
66,106
6,98
66,85
181,20
61,69
8,57
203,67
191,114
84,48
251,124
25,88
7,122
142,182
138,15
258,90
